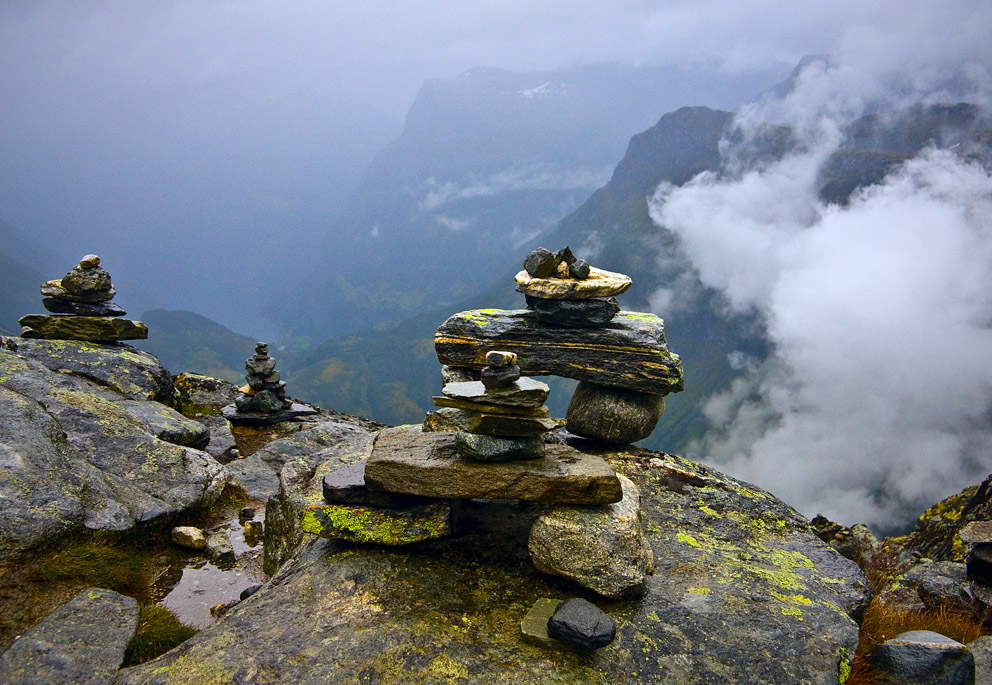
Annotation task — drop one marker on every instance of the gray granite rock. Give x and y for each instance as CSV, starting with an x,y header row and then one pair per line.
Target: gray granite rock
x,y
602,548
83,641
981,651
580,623
924,657
410,461
492,448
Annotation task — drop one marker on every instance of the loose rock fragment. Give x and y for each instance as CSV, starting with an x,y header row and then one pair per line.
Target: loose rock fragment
x,y
540,263
582,624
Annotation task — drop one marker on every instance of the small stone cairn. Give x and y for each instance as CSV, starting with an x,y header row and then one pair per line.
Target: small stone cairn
x,y
81,308
263,399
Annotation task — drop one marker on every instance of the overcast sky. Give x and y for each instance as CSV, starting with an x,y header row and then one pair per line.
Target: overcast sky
x,y
171,130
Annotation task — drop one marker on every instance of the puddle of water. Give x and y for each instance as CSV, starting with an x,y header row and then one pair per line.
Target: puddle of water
x,y
191,585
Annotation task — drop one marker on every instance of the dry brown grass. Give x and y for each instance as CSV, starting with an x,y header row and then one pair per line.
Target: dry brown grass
x,y
881,623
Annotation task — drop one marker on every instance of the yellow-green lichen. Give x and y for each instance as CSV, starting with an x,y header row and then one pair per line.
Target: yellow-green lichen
x,y
698,590
844,665
687,539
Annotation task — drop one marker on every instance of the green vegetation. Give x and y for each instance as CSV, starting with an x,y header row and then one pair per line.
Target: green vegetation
x,y
97,561
159,630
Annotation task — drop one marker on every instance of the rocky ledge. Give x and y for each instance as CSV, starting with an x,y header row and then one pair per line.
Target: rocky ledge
x,y
741,585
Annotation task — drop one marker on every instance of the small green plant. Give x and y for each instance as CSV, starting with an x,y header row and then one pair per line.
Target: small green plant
x,y
159,630
94,561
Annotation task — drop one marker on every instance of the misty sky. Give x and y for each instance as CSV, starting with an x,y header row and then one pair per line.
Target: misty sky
x,y
209,135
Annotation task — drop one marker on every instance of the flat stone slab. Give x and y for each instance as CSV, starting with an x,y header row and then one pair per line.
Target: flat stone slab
x,y
630,352
90,328
259,418
471,405
501,425
534,626
83,641
523,392
977,533
599,283
378,525
417,463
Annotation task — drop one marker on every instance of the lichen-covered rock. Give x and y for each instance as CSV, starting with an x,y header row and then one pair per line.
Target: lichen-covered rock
x,y
613,415
631,352
203,394
742,586
90,328
133,373
167,424
83,641
79,455
602,548
597,283
934,585
378,525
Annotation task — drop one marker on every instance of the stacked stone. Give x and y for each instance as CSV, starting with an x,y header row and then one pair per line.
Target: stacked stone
x,y
81,307
500,417
263,399
565,291
573,327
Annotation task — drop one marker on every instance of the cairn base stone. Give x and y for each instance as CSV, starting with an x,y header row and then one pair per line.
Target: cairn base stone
x,y
491,448
408,460
61,305
612,415
257,418
454,403
89,328
602,548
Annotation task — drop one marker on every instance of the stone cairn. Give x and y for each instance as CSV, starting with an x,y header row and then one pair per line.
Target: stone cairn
x,y
490,437
263,401
81,308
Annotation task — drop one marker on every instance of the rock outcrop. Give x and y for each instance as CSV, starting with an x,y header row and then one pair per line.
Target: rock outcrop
x,y
85,446
742,586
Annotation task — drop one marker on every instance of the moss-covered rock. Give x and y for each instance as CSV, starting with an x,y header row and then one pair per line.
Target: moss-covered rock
x,y
743,590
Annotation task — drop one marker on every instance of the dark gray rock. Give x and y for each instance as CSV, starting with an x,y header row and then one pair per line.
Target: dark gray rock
x,y
200,394
294,412
219,547
222,446
579,269
981,651
491,448
249,591
428,464
589,313
580,623
346,484
933,585
979,563
379,525
602,548
61,305
500,425
564,255
541,263
83,641
612,415
167,424
242,403
500,360
493,378
266,401
631,352
926,658
472,405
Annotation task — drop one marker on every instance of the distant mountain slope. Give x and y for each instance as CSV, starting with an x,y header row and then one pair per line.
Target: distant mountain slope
x,y
486,161
185,341
23,260
389,373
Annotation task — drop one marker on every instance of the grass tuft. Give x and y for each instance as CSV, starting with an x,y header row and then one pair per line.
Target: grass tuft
x,y
94,561
159,630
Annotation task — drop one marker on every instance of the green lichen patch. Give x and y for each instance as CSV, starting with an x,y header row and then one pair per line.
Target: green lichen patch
x,y
378,526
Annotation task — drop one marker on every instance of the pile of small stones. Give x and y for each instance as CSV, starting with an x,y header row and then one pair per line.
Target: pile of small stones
x,y
81,308
263,399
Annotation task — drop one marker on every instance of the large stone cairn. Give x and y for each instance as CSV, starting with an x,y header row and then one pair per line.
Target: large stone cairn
x,y
81,308
263,399
490,436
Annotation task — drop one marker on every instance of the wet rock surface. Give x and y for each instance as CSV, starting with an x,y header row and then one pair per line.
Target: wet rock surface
x,y
631,352
92,328
922,656
742,585
82,641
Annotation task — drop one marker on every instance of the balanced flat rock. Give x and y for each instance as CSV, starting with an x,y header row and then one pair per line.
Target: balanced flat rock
x,y
599,283
523,392
90,328
630,352
260,418
407,460
489,408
